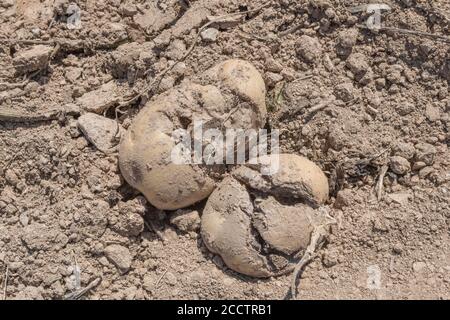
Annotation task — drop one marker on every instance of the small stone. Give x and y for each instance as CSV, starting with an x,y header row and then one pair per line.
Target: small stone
x,y
397,248
100,99
357,63
399,165
380,83
343,198
11,177
129,220
72,74
425,152
171,279
209,34
119,256
176,50
347,38
424,172
309,48
330,258
30,293
404,109
98,130
418,165
345,92
32,59
128,9
40,237
186,220
346,41
272,78
401,198
432,113
273,66
403,149
7,3
419,266
23,218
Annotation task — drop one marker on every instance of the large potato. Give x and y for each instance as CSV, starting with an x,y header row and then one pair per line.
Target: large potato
x,y
230,95
258,223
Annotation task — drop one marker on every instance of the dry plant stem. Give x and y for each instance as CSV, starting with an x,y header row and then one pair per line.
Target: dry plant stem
x,y
6,283
411,32
316,239
13,116
77,294
379,185
7,115
320,106
160,278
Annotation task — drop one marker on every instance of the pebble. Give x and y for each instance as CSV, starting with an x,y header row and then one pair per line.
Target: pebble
x,y
309,48
119,256
343,198
272,78
400,165
404,149
345,92
209,34
424,172
100,99
432,113
419,165
98,130
425,152
419,266
32,59
185,220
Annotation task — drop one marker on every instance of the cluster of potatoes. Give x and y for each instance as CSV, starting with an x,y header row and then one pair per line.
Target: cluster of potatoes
x,y
259,224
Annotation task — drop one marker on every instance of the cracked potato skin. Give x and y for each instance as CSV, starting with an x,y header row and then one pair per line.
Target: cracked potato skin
x,y
258,223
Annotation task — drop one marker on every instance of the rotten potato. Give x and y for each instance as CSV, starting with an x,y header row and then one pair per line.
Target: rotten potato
x,y
229,95
260,224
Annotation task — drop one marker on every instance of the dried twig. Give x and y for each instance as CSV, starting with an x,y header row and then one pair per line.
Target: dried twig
x,y
5,285
7,115
77,294
320,106
379,185
410,32
317,240
160,278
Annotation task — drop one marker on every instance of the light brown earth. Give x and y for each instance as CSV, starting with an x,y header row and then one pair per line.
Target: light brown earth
x,y
383,100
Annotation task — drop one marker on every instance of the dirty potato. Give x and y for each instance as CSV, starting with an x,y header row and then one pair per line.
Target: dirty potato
x,y
259,223
230,95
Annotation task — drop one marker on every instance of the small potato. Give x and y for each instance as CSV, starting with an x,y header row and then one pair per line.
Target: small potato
x,y
145,151
258,223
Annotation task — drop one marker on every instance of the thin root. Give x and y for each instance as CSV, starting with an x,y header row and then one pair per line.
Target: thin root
x,y
379,185
317,240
